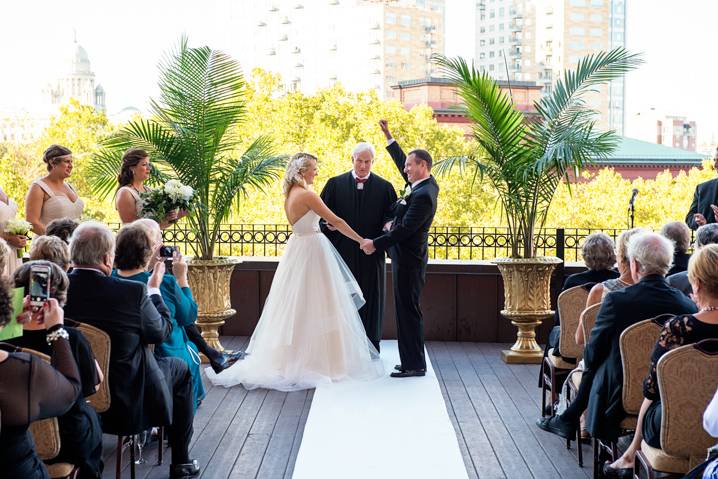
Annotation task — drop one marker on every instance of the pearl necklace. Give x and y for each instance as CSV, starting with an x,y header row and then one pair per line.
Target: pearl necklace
x,y
709,308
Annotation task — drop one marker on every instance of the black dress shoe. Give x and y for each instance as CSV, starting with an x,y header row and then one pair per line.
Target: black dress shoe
x,y
615,473
219,365
559,426
398,367
234,355
184,471
409,373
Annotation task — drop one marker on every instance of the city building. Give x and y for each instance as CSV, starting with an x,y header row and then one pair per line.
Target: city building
x,y
441,96
361,44
669,130
536,40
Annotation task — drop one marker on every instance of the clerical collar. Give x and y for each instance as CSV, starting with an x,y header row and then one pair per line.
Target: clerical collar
x,y
416,183
364,178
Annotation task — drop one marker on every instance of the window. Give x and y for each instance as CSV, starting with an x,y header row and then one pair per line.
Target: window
x,y
390,34
491,28
492,41
491,68
492,13
576,31
404,51
501,11
482,43
491,54
596,3
578,3
482,55
405,20
577,17
391,18
501,39
596,17
501,27
618,37
596,32
576,45
406,36
391,50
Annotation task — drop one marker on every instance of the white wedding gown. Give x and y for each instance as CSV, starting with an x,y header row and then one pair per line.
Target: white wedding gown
x,y
310,331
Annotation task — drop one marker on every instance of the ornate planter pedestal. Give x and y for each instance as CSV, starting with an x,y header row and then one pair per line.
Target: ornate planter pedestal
x,y
527,302
209,281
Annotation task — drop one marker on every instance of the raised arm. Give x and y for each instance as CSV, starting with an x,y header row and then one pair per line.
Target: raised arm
x,y
33,209
397,154
316,204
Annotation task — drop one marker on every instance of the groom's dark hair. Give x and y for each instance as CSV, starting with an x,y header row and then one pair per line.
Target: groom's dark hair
x,y
424,156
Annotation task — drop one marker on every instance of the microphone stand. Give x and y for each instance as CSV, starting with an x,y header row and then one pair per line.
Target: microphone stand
x,y
631,211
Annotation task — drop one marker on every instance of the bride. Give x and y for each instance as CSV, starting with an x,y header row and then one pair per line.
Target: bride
x,y
310,331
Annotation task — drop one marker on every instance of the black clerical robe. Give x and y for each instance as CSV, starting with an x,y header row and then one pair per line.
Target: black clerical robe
x,y
365,209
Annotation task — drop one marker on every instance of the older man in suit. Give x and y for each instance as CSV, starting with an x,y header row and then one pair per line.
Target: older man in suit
x,y
703,208
601,387
144,391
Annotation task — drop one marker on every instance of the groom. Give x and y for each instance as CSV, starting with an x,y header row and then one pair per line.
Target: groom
x,y
407,240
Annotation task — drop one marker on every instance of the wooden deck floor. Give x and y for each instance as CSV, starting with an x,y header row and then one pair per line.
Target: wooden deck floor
x,y
493,406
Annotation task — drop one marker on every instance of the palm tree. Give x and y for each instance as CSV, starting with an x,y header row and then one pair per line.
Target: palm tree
x,y
193,135
526,161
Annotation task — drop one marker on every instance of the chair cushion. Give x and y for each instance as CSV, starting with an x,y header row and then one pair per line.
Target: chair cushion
x,y
59,470
660,461
558,362
629,423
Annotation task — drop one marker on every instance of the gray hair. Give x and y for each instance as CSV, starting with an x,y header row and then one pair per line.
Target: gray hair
x,y
362,147
678,232
598,252
90,242
707,234
652,252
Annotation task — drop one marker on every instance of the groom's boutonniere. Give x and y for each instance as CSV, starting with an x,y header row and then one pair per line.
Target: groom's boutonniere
x,y
405,194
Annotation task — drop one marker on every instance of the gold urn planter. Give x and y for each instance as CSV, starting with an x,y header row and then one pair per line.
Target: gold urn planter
x,y
527,302
209,281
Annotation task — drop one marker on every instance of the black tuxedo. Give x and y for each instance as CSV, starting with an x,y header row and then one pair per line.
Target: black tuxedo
x,y
705,195
601,386
408,244
144,391
366,210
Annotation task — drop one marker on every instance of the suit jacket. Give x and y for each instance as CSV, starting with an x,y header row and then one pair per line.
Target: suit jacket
x,y
706,194
139,394
602,358
680,282
410,230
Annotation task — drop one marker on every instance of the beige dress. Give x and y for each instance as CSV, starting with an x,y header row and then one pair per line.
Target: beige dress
x,y
8,211
59,206
138,201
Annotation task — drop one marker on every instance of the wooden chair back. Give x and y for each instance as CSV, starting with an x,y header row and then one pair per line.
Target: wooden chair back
x,y
571,304
637,343
46,432
687,380
588,320
100,344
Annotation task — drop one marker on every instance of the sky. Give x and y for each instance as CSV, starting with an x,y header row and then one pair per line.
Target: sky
x,y
125,40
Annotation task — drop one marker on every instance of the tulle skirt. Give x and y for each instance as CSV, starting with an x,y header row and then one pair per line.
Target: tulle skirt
x,y
310,331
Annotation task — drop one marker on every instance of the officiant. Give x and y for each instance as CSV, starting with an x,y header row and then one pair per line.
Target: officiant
x,y
364,200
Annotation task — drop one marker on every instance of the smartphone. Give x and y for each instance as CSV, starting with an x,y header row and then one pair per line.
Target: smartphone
x,y
167,251
39,285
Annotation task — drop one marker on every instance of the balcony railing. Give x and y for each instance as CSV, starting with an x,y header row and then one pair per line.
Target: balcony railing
x,y
445,242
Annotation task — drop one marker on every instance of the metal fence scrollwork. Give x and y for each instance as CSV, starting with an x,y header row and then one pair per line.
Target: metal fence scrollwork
x,y
445,242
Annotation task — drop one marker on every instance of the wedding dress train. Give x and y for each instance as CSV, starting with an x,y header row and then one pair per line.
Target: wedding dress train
x,y
310,331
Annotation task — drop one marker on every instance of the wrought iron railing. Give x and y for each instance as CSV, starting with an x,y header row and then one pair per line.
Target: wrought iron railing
x,y
445,242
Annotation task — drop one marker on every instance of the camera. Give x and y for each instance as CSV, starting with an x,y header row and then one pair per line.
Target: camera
x,y
39,285
167,251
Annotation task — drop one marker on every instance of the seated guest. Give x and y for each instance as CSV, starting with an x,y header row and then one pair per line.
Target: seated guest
x,y
145,391
62,228
600,391
51,248
135,254
80,431
218,360
600,257
705,235
679,331
600,290
678,232
33,389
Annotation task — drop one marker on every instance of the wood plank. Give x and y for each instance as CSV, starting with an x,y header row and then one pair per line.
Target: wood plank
x,y
298,435
274,463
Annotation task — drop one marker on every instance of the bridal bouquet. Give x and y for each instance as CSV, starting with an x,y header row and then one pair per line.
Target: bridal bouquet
x,y
157,203
18,228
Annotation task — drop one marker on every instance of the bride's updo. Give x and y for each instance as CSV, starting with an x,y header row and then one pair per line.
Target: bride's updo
x,y
297,165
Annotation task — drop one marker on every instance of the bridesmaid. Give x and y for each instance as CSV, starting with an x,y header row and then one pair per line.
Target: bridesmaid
x,y
8,211
135,171
51,197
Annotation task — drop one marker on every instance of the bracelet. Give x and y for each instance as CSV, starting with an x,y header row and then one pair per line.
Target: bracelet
x,y
55,335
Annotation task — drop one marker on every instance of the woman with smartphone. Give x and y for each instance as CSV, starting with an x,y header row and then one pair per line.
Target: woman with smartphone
x,y
134,256
136,169
32,388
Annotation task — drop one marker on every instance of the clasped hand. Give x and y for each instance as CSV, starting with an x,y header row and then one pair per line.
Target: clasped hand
x,y
367,246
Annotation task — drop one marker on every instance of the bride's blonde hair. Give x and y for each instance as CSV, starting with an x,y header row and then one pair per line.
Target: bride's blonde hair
x,y
297,165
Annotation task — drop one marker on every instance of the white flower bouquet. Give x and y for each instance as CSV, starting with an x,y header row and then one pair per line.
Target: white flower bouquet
x,y
18,228
158,203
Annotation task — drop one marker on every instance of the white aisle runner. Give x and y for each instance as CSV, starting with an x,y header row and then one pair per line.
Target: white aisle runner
x,y
388,428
